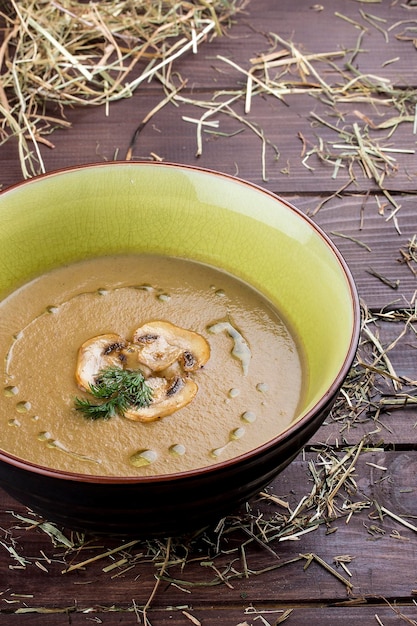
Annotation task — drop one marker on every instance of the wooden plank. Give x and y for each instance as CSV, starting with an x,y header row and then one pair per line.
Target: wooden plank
x,y
195,615
276,572
369,239
385,50
395,421
235,148
245,616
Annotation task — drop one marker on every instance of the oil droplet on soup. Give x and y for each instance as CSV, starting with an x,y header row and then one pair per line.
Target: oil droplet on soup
x,y
11,391
143,458
237,433
177,449
248,416
23,407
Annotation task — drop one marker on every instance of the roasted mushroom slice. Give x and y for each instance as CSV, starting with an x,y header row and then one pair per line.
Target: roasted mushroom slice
x,y
161,343
129,356
168,396
97,354
153,351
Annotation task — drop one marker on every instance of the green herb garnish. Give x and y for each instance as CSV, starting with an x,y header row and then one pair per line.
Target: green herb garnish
x,y
119,389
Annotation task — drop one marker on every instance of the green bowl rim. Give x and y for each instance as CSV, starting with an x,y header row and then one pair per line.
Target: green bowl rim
x,y
290,432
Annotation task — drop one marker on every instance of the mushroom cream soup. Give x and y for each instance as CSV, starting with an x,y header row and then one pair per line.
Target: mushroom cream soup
x,y
142,365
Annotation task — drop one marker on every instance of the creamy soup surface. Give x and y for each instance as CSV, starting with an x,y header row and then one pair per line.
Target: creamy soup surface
x,y
248,391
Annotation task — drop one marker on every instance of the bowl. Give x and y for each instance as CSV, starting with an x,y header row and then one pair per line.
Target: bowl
x,y
175,210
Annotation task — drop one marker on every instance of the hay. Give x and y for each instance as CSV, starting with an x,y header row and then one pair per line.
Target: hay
x,y
73,53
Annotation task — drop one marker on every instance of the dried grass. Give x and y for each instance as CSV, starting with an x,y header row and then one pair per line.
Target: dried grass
x,y
73,53
333,79
67,53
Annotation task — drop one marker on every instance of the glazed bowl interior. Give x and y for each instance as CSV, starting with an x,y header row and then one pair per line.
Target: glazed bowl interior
x,y
195,214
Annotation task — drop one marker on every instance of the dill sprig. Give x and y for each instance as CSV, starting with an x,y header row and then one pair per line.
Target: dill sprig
x,y
119,389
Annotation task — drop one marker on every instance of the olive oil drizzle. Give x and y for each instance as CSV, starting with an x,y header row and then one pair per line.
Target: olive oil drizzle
x,y
240,350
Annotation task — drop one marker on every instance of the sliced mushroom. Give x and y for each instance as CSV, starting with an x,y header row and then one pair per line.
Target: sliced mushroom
x,y
97,354
168,396
129,355
154,351
161,343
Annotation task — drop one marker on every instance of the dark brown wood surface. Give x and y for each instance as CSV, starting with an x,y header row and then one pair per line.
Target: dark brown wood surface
x,y
354,563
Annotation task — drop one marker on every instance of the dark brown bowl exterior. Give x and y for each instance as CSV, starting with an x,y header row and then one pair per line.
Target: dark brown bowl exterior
x,y
171,506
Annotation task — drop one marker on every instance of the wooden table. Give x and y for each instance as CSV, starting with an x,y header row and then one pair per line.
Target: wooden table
x,y
344,513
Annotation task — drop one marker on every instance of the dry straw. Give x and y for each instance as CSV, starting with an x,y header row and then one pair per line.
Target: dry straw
x,y
285,72
363,147
72,53
65,52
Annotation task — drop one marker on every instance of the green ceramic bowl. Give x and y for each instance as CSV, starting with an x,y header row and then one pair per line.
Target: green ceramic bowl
x,y
205,216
